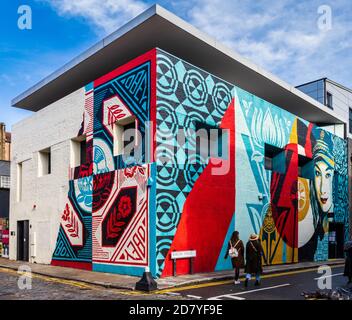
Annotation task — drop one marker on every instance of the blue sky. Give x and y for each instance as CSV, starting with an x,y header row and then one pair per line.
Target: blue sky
x,y
282,36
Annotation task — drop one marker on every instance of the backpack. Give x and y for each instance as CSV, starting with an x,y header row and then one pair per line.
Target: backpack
x,y
233,252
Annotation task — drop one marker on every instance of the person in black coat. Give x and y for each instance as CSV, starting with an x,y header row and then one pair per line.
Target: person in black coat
x,y
348,264
237,262
254,254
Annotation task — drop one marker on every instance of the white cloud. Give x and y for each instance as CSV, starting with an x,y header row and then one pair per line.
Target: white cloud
x,y
281,36
107,15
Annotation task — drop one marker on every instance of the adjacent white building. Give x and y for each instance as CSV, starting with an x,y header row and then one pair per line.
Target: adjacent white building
x,y
40,173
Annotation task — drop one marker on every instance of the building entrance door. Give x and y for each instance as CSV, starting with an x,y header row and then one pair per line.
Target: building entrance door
x,y
23,240
336,240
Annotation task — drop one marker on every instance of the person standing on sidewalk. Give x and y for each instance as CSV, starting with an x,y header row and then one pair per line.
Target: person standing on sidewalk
x,y
235,250
348,261
254,253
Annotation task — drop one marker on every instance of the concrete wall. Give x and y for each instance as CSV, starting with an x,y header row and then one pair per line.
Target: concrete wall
x,y
43,198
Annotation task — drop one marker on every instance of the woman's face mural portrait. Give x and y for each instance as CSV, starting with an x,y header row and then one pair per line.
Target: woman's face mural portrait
x,y
323,173
323,176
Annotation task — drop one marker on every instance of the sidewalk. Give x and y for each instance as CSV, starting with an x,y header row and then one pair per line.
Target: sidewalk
x,y
116,281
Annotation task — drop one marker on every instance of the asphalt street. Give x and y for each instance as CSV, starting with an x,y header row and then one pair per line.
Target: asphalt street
x,y
279,286
283,286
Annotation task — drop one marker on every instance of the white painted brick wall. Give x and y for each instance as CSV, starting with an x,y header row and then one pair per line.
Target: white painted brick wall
x,y
53,126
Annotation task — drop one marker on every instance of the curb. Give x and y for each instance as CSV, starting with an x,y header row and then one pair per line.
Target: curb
x,y
181,284
96,283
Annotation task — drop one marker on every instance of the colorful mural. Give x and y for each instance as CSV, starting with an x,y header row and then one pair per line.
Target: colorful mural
x,y
128,212
105,224
288,204
187,96
74,241
302,185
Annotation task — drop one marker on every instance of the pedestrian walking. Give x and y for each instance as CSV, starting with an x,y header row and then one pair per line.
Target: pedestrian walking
x,y
254,253
235,249
348,261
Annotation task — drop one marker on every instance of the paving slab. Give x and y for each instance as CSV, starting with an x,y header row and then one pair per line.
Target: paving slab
x,y
110,280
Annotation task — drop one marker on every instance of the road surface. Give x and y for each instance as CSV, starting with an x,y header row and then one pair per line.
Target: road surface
x,y
282,286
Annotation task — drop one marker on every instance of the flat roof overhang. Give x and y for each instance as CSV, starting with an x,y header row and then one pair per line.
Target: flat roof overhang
x,y
157,27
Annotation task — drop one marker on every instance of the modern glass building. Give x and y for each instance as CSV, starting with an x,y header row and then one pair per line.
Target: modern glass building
x,y
334,96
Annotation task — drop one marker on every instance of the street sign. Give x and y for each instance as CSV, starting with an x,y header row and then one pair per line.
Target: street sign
x,y
183,254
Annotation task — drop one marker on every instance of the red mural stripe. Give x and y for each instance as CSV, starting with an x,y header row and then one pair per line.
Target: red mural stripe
x,y
284,198
72,264
308,145
207,212
153,99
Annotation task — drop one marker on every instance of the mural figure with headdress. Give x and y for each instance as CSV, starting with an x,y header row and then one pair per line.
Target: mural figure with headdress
x,y
321,195
323,176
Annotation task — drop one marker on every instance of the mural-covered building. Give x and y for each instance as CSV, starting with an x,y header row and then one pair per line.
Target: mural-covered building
x,y
213,145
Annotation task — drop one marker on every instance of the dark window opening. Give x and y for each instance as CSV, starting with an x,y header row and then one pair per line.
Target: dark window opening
x,y
305,169
350,120
125,138
130,126
336,240
210,140
49,162
44,162
329,100
269,154
83,152
268,163
78,151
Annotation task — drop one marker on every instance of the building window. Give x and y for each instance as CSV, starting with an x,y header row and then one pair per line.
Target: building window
x,y
305,169
314,89
5,182
125,138
329,100
19,182
271,153
83,151
268,163
350,121
78,152
211,141
44,162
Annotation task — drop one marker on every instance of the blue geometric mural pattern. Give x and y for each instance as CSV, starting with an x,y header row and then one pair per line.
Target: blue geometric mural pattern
x,y
185,96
